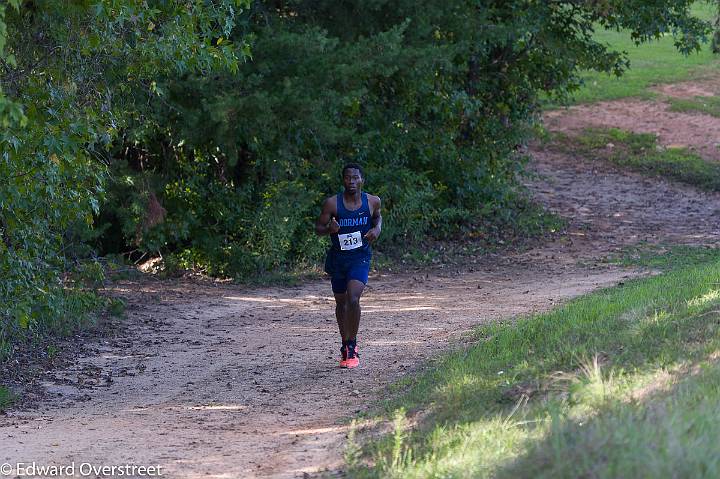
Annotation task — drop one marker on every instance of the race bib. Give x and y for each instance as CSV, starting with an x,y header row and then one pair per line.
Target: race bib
x,y
350,241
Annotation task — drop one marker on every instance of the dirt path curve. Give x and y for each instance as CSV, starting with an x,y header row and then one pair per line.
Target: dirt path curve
x,y
228,382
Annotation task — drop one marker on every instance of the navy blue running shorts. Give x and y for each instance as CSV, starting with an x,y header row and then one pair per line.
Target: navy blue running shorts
x,y
357,270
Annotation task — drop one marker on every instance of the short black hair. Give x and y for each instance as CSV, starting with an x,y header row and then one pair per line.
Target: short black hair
x,y
355,166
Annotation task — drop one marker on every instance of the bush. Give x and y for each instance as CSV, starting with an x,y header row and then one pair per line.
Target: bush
x,y
71,75
432,98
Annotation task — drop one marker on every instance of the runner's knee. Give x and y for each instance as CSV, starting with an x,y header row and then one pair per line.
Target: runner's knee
x,y
340,300
353,300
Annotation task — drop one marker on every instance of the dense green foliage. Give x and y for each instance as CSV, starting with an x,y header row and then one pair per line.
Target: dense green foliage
x,y
130,124
715,45
432,99
72,75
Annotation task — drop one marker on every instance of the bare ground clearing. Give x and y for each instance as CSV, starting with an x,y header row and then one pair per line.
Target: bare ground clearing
x,y
696,131
223,381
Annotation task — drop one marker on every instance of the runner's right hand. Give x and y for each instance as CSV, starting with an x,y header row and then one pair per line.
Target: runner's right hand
x,y
334,226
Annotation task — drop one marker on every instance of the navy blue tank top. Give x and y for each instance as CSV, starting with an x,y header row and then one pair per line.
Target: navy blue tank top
x,y
349,242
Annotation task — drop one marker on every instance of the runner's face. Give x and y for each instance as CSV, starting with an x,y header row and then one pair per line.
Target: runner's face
x,y
352,180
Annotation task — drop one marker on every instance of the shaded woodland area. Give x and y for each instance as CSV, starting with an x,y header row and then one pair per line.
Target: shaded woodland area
x,y
208,131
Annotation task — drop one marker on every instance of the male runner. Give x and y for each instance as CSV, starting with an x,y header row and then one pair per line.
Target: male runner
x,y
353,221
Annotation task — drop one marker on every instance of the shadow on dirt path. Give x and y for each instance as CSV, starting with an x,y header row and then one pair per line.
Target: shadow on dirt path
x,y
224,382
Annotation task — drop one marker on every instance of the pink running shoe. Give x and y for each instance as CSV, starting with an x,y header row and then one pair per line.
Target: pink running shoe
x,y
352,360
343,356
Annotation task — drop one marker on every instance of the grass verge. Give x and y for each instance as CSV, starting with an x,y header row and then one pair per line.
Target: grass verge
x,y
664,257
640,152
6,397
623,382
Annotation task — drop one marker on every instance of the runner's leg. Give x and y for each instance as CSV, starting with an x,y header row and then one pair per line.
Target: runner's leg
x,y
341,313
354,291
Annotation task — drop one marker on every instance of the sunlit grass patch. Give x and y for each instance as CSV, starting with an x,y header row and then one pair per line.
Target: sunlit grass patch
x,y
650,64
711,297
532,396
671,434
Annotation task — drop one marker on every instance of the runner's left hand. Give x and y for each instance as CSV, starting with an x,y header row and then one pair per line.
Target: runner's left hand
x,y
371,235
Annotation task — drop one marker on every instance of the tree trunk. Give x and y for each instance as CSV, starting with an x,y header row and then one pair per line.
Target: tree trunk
x,y
715,46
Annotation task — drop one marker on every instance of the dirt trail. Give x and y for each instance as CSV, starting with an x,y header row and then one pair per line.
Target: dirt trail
x,y
226,382
251,386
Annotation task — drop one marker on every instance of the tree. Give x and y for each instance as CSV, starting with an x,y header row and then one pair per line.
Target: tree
x,y
433,96
715,45
108,106
73,74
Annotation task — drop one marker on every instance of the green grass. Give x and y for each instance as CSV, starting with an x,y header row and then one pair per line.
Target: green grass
x,y
664,257
708,105
640,152
673,436
623,382
6,397
650,64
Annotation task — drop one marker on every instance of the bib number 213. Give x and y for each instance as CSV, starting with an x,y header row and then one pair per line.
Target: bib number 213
x,y
350,241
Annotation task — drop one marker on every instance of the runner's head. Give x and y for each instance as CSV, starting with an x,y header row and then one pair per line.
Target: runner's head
x,y
352,178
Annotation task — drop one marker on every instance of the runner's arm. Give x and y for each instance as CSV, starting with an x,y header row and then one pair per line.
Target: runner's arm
x,y
326,224
373,234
